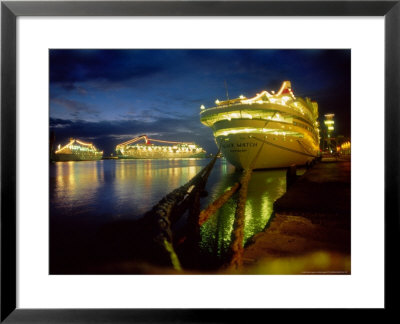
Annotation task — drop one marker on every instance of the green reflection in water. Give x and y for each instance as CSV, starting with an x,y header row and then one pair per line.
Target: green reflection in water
x,y
264,188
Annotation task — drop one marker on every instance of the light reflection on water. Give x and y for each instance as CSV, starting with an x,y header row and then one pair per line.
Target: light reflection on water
x,y
85,195
107,189
264,188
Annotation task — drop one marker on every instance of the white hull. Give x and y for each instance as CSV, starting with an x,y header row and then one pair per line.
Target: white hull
x,y
267,131
257,152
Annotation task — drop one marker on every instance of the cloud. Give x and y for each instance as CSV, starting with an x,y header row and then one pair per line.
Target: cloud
x,y
101,68
160,91
74,107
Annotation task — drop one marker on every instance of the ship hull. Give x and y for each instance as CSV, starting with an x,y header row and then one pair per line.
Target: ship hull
x,y
75,157
267,131
160,155
260,152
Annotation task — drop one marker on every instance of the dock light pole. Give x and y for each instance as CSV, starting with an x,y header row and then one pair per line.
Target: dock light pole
x,y
330,125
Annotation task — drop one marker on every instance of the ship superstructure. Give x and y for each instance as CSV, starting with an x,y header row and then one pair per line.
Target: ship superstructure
x,y
270,130
132,149
77,150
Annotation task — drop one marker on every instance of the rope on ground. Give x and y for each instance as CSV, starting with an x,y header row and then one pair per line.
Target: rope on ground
x,y
174,258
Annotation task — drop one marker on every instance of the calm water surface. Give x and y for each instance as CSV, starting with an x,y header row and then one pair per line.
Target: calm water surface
x,y
86,195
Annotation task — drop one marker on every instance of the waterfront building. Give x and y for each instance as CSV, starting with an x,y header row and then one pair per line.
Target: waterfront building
x,y
329,123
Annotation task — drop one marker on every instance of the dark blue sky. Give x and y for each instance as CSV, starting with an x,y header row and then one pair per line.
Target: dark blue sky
x,y
109,96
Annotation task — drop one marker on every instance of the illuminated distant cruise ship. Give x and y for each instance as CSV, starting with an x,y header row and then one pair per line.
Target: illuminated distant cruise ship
x,y
270,130
165,150
77,150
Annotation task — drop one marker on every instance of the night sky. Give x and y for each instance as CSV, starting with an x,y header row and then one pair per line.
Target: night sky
x,y
110,96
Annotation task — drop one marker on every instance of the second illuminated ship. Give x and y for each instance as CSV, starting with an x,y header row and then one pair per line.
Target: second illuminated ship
x,y
165,150
270,130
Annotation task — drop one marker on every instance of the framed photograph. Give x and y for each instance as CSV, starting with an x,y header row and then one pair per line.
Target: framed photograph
x,y
161,158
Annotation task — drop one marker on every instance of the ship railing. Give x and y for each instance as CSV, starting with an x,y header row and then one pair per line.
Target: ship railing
x,y
306,113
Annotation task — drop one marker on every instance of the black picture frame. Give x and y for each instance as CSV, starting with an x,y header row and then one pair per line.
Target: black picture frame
x,y
10,10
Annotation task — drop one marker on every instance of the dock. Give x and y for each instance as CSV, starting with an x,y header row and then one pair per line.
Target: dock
x,y
309,231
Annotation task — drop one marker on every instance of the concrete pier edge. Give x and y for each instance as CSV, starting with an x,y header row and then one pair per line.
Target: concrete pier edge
x,y
310,226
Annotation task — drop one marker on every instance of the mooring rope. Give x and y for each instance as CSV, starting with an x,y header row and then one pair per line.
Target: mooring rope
x,y
283,147
236,246
238,232
160,216
304,148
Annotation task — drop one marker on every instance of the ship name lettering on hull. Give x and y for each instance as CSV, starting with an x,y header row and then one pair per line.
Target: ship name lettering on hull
x,y
241,145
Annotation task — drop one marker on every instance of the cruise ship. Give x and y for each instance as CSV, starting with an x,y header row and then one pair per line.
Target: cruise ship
x,y
77,150
164,150
270,130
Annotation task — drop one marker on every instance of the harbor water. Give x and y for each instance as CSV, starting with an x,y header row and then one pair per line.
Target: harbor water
x,y
86,195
